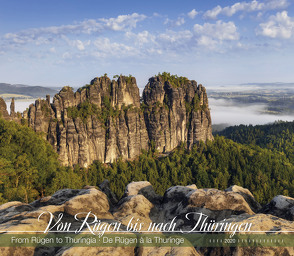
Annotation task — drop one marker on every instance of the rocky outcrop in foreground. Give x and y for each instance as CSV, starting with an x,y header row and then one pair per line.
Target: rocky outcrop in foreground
x,y
140,201
106,119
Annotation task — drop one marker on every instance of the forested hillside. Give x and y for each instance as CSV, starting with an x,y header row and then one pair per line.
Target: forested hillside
x,y
278,137
217,164
29,167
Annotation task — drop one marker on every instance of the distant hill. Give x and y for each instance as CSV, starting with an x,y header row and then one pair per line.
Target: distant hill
x,y
276,84
26,90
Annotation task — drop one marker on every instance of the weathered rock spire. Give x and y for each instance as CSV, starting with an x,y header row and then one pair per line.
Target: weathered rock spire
x,y
105,119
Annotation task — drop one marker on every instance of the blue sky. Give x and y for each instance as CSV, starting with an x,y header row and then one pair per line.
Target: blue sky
x,y
68,42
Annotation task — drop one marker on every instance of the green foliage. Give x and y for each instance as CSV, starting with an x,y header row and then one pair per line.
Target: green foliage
x,y
217,164
87,109
194,105
24,122
66,88
83,111
29,167
129,79
84,87
45,108
174,80
278,137
144,107
107,110
27,163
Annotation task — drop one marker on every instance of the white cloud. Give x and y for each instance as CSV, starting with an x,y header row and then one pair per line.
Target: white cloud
x,y
84,27
141,38
212,14
87,27
220,30
211,36
123,22
156,14
87,38
178,37
174,23
106,48
278,26
246,7
180,21
80,45
259,15
192,14
277,4
66,55
207,42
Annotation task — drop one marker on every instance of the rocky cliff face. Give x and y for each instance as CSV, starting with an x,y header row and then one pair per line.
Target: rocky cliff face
x,y
105,120
176,113
3,110
236,205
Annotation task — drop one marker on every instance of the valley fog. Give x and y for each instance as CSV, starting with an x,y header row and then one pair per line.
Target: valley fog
x,y
227,111
222,111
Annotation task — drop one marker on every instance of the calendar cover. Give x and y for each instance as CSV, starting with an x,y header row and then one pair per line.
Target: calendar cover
x,y
146,128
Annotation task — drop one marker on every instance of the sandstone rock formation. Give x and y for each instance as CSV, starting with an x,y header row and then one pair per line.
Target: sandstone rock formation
x,y
177,201
3,110
255,206
280,206
105,120
213,203
176,114
143,188
263,223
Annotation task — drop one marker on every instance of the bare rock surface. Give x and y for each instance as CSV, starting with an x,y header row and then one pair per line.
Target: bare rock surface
x,y
213,203
104,186
281,206
119,124
3,110
260,222
255,206
135,206
143,188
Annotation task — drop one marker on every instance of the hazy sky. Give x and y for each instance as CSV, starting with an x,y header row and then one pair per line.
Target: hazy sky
x,y
60,42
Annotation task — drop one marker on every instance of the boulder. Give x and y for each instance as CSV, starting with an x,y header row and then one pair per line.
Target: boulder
x,y
234,205
136,207
105,188
260,222
254,205
143,188
78,200
173,199
281,206
216,204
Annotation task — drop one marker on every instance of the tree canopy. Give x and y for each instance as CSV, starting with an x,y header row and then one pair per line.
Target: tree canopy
x,y
262,162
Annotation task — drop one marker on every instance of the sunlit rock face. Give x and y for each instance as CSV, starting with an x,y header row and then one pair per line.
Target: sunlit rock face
x,y
105,120
141,202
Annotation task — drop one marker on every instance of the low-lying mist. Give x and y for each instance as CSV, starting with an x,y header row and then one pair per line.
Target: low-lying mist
x,y
228,111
